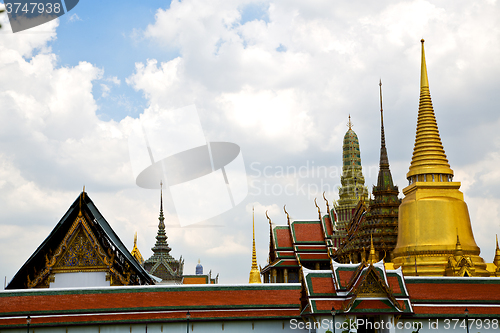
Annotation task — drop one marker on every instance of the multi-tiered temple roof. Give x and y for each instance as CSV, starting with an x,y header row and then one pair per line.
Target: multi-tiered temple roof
x,y
161,264
377,221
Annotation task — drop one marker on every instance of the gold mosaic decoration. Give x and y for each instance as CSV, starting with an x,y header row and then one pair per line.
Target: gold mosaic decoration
x,y
79,251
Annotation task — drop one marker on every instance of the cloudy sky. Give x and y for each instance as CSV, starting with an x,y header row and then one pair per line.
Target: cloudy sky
x,y
277,78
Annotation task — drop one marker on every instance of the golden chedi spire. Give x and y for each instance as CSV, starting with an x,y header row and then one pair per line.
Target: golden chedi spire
x,y
372,257
428,153
496,260
254,272
135,251
433,213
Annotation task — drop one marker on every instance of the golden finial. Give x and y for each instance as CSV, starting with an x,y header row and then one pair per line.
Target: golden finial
x,y
254,271
496,259
80,204
428,152
135,251
372,257
349,124
287,216
424,80
199,261
319,211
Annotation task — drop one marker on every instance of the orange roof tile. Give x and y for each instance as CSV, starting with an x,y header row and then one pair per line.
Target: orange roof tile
x,y
283,237
308,232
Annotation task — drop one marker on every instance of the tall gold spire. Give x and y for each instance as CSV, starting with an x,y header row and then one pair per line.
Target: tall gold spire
x,y
254,272
428,157
433,221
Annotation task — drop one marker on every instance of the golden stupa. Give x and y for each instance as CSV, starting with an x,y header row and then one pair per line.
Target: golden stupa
x,y
433,214
254,271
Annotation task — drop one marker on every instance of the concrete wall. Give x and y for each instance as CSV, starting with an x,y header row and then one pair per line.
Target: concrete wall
x,y
323,324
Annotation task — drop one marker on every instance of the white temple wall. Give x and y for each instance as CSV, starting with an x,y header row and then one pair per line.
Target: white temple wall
x,y
80,279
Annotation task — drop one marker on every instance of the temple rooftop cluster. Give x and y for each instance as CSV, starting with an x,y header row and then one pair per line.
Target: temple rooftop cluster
x,y
373,263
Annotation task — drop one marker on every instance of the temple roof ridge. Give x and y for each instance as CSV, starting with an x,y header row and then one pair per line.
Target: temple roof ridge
x,y
428,153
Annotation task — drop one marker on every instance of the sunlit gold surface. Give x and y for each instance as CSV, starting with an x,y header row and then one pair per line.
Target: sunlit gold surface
x,y
433,212
135,251
254,271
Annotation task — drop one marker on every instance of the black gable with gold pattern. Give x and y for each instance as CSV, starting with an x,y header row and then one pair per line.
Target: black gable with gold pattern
x,y
82,241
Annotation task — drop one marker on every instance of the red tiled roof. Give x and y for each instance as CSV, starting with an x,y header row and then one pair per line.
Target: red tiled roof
x,y
313,256
325,305
344,276
372,306
159,302
328,225
393,282
310,248
456,311
440,289
283,237
308,232
322,285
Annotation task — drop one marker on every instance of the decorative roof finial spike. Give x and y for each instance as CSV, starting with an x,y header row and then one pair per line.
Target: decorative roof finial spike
x,y
349,124
254,271
327,205
161,197
287,216
384,159
319,211
424,81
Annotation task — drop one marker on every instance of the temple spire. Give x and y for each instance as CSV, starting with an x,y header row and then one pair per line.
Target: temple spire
x,y
372,258
496,259
428,157
161,245
384,160
254,271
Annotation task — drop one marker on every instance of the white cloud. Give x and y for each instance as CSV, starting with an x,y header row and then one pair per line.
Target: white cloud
x,y
74,18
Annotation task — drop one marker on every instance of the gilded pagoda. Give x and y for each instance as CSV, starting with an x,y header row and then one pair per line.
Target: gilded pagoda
x,y
434,223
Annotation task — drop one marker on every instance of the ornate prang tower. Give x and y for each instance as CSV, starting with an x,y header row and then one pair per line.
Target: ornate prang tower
x,y
434,223
254,271
161,263
379,225
353,186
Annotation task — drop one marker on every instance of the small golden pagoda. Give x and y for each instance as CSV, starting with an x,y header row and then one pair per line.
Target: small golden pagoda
x,y
254,271
433,214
